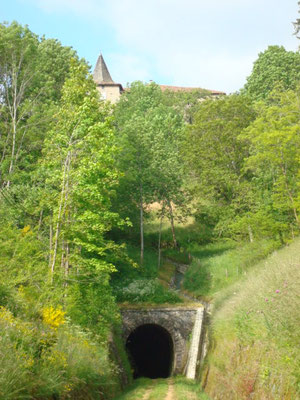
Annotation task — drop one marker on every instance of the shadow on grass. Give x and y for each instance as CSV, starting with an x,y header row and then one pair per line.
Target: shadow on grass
x,y
199,278
210,250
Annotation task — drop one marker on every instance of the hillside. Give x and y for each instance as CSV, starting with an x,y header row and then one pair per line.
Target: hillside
x,y
255,333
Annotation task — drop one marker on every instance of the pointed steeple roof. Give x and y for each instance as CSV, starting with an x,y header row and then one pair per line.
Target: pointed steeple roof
x,y
101,73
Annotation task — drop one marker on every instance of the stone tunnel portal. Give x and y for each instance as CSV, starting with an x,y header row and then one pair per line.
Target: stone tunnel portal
x,y
151,351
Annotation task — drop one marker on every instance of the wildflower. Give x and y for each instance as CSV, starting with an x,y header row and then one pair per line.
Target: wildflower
x,y
266,299
53,317
277,291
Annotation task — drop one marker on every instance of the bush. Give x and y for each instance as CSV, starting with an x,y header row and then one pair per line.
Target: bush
x,y
145,291
50,357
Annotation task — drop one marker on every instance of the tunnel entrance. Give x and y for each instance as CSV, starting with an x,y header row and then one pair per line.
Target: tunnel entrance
x,y
150,350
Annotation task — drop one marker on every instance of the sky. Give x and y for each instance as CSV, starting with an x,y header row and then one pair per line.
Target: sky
x,y
210,44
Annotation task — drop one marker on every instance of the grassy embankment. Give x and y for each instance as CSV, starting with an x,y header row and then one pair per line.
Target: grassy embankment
x,y
255,331
255,324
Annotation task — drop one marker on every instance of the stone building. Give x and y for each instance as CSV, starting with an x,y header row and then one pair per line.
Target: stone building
x,y
112,91
108,89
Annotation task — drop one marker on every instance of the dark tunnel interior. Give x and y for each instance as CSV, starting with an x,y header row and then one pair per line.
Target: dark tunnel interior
x,y
150,350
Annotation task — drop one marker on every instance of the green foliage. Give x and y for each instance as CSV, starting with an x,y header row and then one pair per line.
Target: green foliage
x,y
29,85
145,291
150,134
215,157
218,265
255,331
274,158
140,285
39,360
58,176
274,66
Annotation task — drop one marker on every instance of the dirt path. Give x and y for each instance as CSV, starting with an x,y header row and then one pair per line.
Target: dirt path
x,y
147,394
171,391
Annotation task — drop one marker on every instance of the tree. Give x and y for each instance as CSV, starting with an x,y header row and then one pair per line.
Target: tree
x,y
274,66
274,139
297,24
150,133
79,178
215,157
32,73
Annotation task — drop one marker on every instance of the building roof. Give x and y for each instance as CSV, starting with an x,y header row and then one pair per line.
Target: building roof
x,y
101,73
189,89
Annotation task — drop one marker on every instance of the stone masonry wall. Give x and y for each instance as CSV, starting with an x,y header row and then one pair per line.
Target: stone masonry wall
x,y
179,322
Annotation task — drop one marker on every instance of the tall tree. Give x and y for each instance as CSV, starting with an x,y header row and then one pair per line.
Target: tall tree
x,y
275,153
79,174
297,24
215,157
274,66
32,73
150,134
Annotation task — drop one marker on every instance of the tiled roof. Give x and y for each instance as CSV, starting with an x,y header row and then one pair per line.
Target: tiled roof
x,y
189,89
101,73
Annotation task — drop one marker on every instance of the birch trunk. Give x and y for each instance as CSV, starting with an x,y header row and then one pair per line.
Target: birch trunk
x,y
60,209
159,235
142,224
172,224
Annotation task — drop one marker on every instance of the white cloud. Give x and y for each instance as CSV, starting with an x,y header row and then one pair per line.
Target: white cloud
x,y
130,66
84,8
202,43
208,43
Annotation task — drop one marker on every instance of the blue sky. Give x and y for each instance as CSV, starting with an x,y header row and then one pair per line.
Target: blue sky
x,y
202,43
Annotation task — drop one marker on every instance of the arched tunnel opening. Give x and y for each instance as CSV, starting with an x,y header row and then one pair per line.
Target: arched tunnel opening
x,y
150,350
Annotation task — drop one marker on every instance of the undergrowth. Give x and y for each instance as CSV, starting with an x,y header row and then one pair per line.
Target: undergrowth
x,y
256,333
218,265
43,355
141,284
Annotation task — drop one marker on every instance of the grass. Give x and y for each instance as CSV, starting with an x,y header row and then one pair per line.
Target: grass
x,y
187,389
256,334
137,390
157,389
48,357
146,284
218,265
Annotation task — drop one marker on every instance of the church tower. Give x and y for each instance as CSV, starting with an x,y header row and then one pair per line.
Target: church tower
x,y
108,89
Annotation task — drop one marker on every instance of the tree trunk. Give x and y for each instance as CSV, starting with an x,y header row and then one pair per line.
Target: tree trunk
x,y
290,194
172,224
250,234
40,220
60,209
159,235
142,224
50,242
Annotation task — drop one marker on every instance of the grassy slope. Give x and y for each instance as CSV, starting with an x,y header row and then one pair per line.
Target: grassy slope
x,y
255,325
218,265
256,335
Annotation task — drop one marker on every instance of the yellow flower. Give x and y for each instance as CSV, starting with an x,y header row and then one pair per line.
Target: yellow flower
x,y
26,229
6,315
54,317
57,358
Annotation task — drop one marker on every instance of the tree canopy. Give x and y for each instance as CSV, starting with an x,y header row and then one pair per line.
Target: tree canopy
x,y
275,66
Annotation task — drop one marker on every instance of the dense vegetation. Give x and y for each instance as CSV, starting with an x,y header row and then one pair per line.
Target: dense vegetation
x,y
96,199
